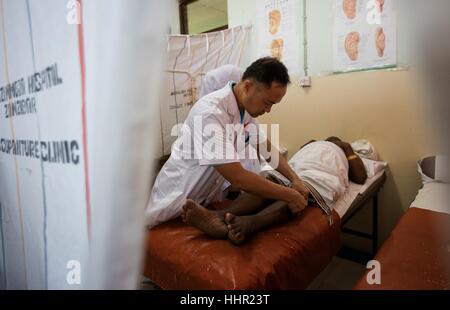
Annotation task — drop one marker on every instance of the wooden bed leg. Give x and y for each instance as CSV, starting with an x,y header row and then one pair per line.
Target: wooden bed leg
x,y
375,225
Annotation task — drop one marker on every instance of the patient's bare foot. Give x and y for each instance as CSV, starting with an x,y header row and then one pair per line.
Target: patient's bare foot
x,y
239,227
207,221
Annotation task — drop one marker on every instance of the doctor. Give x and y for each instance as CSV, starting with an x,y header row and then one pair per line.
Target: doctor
x,y
204,155
217,79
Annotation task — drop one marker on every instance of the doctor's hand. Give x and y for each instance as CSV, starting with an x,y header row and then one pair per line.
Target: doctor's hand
x,y
297,202
300,187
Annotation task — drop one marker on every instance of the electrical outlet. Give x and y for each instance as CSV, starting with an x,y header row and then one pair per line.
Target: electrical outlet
x,y
305,81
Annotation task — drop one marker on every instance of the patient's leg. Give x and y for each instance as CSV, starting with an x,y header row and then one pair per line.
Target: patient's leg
x,y
213,222
240,227
246,204
207,221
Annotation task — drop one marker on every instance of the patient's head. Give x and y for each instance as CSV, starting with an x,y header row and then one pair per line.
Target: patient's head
x,y
342,144
333,139
263,84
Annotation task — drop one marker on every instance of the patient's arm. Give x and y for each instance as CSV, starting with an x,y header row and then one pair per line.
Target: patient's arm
x,y
357,172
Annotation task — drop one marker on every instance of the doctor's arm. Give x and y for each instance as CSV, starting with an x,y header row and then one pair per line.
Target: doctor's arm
x,y
286,170
257,185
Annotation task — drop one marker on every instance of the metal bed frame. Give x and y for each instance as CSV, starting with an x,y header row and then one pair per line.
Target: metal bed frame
x,y
357,205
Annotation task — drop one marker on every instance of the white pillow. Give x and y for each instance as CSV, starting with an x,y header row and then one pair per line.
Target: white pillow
x,y
365,149
373,166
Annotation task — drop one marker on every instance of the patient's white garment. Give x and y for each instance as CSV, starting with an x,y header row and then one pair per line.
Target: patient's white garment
x,y
324,165
217,79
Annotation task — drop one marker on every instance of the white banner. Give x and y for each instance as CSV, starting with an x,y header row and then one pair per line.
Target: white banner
x,y
365,34
78,88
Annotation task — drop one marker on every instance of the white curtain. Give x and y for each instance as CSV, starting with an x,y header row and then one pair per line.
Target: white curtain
x,y
79,139
189,59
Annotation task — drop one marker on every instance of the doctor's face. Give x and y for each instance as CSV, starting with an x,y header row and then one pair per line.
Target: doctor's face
x,y
259,98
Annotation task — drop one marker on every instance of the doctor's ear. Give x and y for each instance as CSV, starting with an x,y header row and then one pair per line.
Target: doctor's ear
x,y
248,84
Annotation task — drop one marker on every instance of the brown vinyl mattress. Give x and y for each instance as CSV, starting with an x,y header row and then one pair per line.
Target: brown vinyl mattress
x,y
287,256
416,255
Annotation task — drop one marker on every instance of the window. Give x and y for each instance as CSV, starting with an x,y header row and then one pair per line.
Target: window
x,y
200,16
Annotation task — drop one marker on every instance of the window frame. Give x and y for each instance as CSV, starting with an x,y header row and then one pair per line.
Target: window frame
x,y
184,25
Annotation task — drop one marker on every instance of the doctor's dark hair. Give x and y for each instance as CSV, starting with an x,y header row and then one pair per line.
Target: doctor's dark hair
x,y
266,70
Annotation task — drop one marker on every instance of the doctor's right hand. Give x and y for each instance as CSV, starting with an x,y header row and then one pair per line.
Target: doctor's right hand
x,y
297,202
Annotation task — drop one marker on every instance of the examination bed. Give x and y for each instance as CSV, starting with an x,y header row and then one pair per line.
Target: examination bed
x,y
416,256
287,256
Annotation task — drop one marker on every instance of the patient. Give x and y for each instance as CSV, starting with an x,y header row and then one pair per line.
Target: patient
x,y
219,78
249,214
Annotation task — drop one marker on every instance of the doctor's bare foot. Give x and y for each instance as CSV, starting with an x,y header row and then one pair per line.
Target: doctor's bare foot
x,y
209,222
239,227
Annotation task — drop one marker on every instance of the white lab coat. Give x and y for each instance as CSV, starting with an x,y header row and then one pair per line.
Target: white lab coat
x,y
215,80
189,172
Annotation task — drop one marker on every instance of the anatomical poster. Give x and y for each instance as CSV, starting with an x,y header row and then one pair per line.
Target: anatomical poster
x,y
278,31
365,35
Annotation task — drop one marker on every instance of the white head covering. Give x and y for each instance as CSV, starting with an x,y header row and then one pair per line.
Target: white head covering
x,y
217,79
365,149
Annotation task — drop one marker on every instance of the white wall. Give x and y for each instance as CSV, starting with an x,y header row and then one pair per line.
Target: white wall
x,y
174,17
243,13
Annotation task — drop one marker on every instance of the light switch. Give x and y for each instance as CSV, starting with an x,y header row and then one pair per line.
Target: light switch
x,y
305,81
